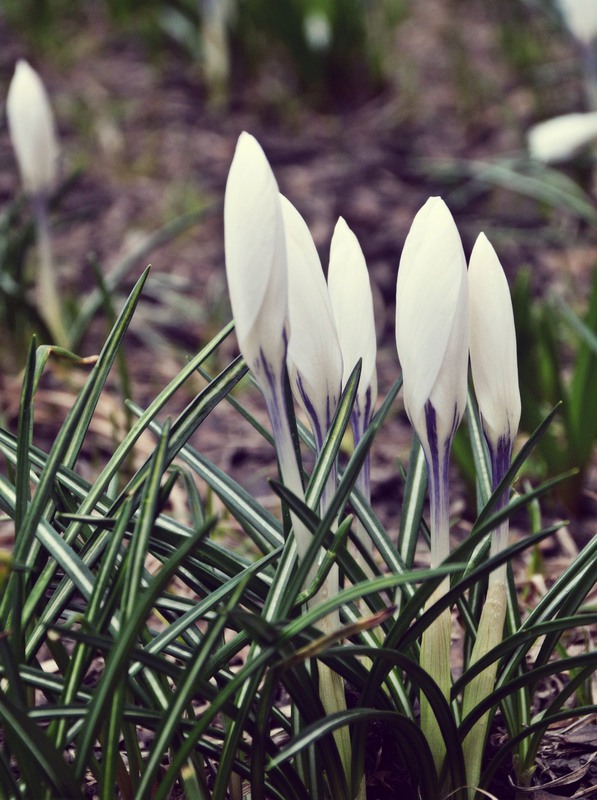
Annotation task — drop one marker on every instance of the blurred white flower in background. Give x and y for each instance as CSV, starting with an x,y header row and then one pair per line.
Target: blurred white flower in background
x,y
317,30
559,139
580,17
32,130
33,136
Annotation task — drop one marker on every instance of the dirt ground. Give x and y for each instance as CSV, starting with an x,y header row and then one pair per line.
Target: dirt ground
x,y
151,146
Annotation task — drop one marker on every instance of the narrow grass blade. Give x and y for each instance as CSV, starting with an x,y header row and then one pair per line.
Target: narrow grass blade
x,y
93,302
70,437
119,655
415,489
538,726
185,691
47,764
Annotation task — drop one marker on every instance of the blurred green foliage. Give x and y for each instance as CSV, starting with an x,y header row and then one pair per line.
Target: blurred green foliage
x,y
335,48
523,30
557,356
327,41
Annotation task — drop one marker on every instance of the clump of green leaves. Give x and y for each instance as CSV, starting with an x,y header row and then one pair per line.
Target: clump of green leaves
x,y
145,679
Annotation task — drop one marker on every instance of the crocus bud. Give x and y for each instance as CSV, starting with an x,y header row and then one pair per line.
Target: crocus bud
x,y
580,17
314,358
352,305
493,347
32,131
432,342
256,259
561,138
432,326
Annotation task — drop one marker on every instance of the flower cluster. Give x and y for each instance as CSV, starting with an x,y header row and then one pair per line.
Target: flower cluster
x,y
442,313
287,318
288,321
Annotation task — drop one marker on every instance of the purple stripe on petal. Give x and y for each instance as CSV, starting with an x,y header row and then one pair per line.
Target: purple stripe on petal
x,y
310,409
275,389
434,456
501,457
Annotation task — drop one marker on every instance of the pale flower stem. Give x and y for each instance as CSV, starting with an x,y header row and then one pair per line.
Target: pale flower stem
x,y
489,635
435,660
436,639
490,630
589,67
47,298
363,485
363,482
331,584
500,461
331,685
275,400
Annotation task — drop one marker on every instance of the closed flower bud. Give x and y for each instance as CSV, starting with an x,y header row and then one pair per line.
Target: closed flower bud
x,y
352,305
580,17
256,259
314,358
493,346
432,326
559,139
32,131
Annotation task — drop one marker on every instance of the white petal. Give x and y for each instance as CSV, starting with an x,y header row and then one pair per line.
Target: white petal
x,y
432,318
352,305
255,256
581,18
31,128
314,358
561,138
493,344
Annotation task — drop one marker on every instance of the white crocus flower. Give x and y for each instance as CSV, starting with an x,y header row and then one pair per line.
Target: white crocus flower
x,y
32,130
495,377
256,260
493,346
314,357
432,341
559,139
494,367
580,17
317,30
256,270
352,303
33,136
315,369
